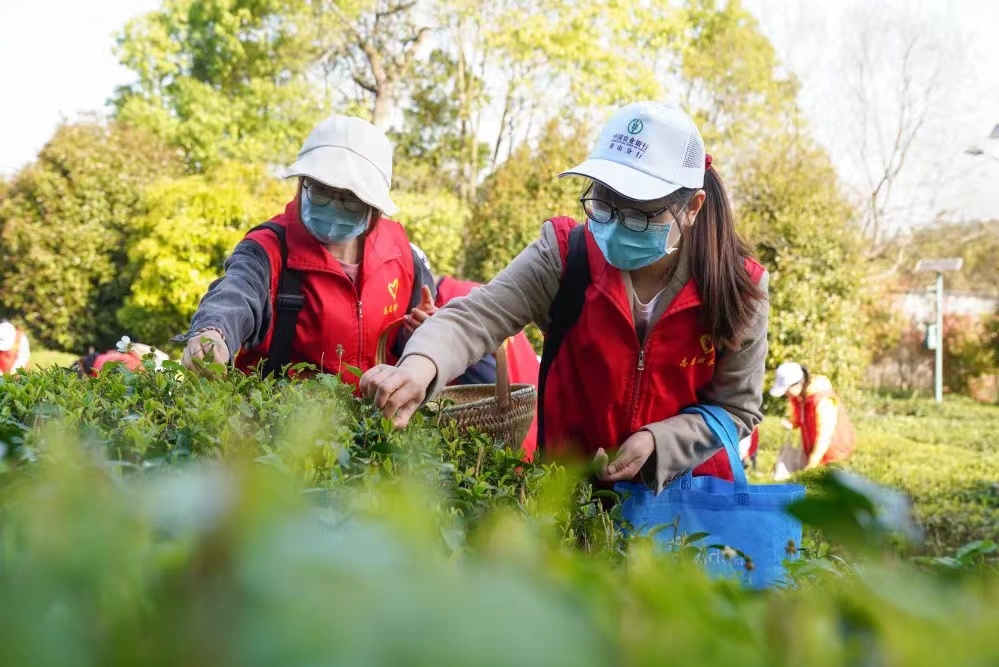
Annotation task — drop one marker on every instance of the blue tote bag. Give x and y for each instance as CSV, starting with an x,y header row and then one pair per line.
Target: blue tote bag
x,y
749,518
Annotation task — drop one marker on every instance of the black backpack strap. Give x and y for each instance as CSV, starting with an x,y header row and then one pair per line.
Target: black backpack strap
x,y
287,305
563,314
422,275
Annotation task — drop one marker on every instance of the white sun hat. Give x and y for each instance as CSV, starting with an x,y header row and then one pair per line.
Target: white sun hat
x,y
8,334
351,154
646,151
788,374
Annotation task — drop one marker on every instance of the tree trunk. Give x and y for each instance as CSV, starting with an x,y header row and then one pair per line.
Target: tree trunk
x,y
381,116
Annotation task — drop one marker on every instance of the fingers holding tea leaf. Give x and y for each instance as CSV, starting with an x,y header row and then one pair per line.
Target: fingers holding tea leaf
x,y
630,458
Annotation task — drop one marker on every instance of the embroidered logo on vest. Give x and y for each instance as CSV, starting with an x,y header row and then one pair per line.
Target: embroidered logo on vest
x,y
393,288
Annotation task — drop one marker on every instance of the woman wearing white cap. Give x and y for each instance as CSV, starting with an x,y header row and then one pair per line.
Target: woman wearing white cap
x,y
14,348
815,409
320,282
652,305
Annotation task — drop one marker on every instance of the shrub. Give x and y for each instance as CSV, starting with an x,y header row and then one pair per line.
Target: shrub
x,y
521,194
65,228
967,353
189,227
435,221
791,209
300,517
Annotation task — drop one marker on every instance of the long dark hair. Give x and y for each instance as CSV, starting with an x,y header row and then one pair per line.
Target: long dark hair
x,y
805,380
717,256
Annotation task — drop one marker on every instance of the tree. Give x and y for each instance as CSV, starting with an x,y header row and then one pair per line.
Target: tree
x,y
223,79
436,221
521,194
896,90
977,243
373,44
189,226
731,80
65,227
432,147
513,65
803,228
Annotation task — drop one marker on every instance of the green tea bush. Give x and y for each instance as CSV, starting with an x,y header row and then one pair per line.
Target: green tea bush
x,y
170,519
945,457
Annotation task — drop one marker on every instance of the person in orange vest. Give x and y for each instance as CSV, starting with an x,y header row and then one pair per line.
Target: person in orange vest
x,y
522,360
817,412
653,304
91,365
126,353
748,448
14,349
320,282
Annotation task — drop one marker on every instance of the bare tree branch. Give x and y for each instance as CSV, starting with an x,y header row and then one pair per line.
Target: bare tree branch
x,y
366,85
392,10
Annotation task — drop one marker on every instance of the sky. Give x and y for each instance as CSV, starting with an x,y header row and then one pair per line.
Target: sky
x,y
819,40
56,61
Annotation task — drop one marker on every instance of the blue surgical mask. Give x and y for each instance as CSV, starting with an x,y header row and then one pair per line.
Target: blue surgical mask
x,y
629,250
334,222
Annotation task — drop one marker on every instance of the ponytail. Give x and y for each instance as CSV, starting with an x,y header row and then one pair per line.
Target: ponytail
x,y
717,257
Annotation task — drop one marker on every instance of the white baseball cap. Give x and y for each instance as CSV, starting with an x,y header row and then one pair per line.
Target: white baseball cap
x,y
788,374
646,151
351,154
7,336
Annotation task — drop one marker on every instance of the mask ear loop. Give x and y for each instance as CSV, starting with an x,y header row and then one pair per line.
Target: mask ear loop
x,y
679,211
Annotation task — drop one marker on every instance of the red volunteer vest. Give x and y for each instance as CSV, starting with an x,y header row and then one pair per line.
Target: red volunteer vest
x,y
521,357
804,413
8,358
340,323
754,443
131,361
603,386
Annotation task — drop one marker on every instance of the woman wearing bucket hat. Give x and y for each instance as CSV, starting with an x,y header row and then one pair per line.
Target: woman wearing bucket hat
x,y
815,409
650,306
320,282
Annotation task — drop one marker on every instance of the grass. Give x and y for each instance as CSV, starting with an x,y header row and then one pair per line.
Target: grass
x,y
41,358
945,457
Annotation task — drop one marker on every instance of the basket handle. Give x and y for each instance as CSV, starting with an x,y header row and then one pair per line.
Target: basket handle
x,y
502,366
502,378
381,350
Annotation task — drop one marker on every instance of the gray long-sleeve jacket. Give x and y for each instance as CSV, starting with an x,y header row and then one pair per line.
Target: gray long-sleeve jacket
x,y
468,327
239,305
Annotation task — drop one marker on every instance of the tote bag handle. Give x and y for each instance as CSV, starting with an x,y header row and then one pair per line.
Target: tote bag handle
x,y
723,428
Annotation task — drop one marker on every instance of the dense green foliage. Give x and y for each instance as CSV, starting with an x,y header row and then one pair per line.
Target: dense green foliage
x,y
65,228
436,221
803,231
163,518
521,194
967,352
222,79
188,228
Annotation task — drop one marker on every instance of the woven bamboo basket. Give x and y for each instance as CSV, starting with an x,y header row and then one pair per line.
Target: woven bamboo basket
x,y
504,411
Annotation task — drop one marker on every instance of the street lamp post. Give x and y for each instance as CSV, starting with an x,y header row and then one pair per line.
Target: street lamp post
x,y
938,266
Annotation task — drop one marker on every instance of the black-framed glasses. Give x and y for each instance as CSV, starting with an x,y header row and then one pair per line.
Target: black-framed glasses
x,y
604,213
321,195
